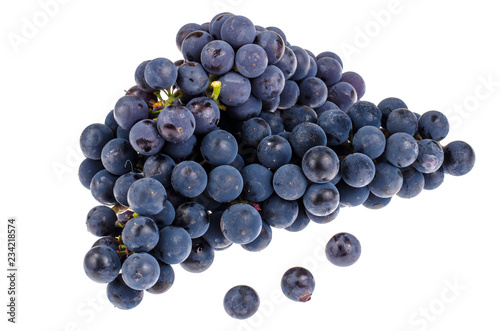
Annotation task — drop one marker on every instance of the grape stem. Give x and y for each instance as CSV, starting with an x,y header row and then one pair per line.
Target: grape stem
x,y
216,86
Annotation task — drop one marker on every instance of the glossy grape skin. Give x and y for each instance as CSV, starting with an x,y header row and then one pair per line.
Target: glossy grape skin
x,y
101,187
176,123
109,241
356,81
184,31
101,264
269,84
262,241
274,120
180,151
459,158
118,156
301,221
343,95
93,139
288,63
201,257
147,196
413,183
330,54
238,31
357,170
254,130
305,136
165,280
401,149
313,67
321,199
165,217
217,57
140,234
217,22
388,180
139,77
270,105
387,105
370,141
101,221
174,245
430,156
323,219
290,95
159,167
289,182
110,121
145,139
149,97
273,45
296,115
122,296
337,125
214,236
433,125
329,70
257,182
303,63
87,169
298,284
192,217
251,60
192,78
140,271
160,73
375,202
352,196
433,180
278,212
313,92
364,113
189,179
343,249
241,223
219,147
206,114
235,89
193,44
241,302
320,164
402,120
248,109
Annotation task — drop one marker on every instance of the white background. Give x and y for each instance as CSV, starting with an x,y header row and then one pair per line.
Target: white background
x,y
429,263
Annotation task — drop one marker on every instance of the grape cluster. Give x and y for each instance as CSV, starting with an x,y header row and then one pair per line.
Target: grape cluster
x,y
246,133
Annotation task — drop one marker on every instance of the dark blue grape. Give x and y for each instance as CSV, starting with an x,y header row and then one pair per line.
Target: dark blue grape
x,y
337,125
159,167
387,181
433,125
193,44
343,249
149,97
129,110
278,31
110,121
320,164
356,81
206,114
87,169
217,57
118,156
192,78
248,109
122,133
101,264
298,284
219,147
93,138
254,130
278,212
241,223
201,257
430,156
313,67
109,241
140,271
176,123
216,24
241,302
262,241
160,73
323,219
352,196
181,150
330,54
122,185
357,170
289,182
192,217
122,296
375,202
288,63
270,84
145,139
235,89
174,245
238,163
459,158
296,115
413,183
364,113
147,196
433,180
101,187
274,151
270,105
274,120
290,95
140,234
321,199
313,92
251,60
369,140
214,236
303,63
401,149
257,182
165,217
343,95
165,281
273,45
301,221
184,31
189,179
402,120
224,183
238,31
387,105
305,136
329,70
101,221
139,77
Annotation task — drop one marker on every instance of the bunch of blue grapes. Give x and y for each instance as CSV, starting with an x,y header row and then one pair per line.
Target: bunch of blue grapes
x,y
245,135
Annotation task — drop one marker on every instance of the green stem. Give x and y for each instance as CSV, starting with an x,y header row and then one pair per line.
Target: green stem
x,y
135,215
216,90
